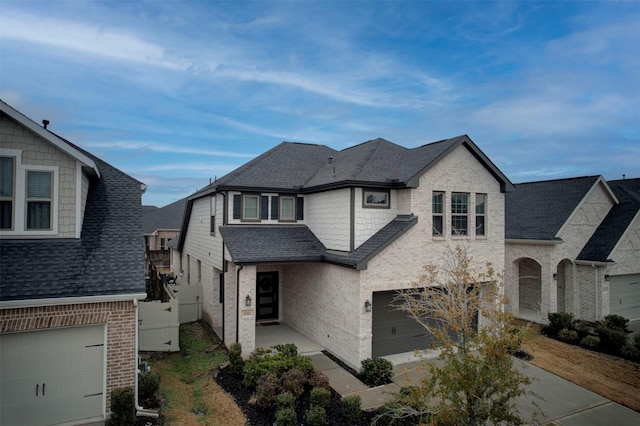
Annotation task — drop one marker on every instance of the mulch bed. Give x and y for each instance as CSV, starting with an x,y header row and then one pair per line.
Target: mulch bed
x,y
258,416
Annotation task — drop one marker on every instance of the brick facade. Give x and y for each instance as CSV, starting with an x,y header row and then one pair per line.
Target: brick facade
x,y
119,318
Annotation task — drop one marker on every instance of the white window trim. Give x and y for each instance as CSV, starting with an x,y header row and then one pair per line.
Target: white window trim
x,y
293,210
258,201
484,215
367,205
20,197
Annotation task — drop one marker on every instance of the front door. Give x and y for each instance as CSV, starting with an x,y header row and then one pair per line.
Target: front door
x,y
267,294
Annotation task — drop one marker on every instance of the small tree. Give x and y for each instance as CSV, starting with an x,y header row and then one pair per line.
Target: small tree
x,y
476,382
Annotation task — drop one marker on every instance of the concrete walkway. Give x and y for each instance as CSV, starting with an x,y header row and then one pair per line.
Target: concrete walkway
x,y
563,403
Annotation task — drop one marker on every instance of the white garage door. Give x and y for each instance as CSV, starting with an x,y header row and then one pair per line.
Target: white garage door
x,y
52,376
625,295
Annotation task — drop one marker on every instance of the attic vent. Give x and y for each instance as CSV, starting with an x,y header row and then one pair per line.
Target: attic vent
x,y
45,123
330,160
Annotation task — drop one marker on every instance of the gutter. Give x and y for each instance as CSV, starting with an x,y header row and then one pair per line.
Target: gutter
x,y
33,303
140,411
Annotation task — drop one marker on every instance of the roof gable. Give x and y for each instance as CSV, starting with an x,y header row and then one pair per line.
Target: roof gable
x,y
167,217
60,143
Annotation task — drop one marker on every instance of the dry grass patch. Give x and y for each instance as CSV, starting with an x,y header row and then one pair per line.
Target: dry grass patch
x,y
612,377
190,395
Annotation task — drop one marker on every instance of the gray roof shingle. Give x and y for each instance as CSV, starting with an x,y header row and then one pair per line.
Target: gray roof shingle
x,y
167,217
108,259
537,210
612,228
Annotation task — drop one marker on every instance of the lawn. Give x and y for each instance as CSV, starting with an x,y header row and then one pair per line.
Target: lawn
x,y
190,395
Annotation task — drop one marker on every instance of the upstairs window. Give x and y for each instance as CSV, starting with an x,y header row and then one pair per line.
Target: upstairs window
x,y
375,199
459,213
437,211
251,207
39,199
287,208
212,221
7,197
481,202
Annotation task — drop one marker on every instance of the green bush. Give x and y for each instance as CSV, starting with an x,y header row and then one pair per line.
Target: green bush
x,y
236,363
320,397
377,371
617,322
568,335
612,341
285,400
286,417
148,385
316,416
352,408
636,341
630,352
123,407
263,361
560,320
318,379
288,350
266,390
590,341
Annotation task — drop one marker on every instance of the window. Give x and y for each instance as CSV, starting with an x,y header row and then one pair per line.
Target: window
x,y
250,207
39,190
212,222
373,199
481,202
7,201
199,270
162,244
188,269
459,213
287,208
437,211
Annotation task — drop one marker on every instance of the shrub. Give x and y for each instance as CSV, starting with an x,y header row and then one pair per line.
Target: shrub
x,y
123,407
263,361
560,320
286,417
288,350
568,335
630,352
612,341
318,379
617,322
636,341
148,385
293,381
377,371
352,408
236,363
285,400
320,397
316,416
590,341
266,390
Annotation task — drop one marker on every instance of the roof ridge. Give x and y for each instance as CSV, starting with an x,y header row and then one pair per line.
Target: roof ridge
x,y
559,179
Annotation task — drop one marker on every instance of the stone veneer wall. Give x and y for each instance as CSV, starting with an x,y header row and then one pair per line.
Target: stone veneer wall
x,y
119,318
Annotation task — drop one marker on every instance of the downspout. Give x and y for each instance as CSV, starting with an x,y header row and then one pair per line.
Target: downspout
x,y
224,263
595,289
140,411
238,269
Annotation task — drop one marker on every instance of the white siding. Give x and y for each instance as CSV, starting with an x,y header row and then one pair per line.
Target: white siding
x,y
328,216
368,221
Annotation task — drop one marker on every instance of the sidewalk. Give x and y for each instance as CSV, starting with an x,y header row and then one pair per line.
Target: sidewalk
x,y
563,403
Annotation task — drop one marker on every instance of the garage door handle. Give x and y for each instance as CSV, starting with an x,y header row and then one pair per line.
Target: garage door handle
x,y
43,389
37,387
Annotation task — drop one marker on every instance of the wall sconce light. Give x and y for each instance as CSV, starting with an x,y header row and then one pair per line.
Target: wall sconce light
x,y
606,277
247,300
367,306
555,277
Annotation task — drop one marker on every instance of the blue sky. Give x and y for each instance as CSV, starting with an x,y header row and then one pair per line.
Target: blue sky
x,y
176,93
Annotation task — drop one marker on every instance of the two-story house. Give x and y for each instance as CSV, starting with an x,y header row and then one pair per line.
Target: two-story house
x,y
573,245
71,273
320,239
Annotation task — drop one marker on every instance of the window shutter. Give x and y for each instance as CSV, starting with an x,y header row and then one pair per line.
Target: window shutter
x,y
264,207
299,208
275,208
237,206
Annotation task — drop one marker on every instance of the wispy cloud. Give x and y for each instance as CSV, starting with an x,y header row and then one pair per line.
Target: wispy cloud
x,y
100,41
175,149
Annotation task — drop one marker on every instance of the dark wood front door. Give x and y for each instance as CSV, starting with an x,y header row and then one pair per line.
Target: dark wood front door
x,y
267,294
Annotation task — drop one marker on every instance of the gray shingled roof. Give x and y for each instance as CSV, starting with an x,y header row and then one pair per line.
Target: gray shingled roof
x,y
107,260
253,244
167,217
604,240
537,210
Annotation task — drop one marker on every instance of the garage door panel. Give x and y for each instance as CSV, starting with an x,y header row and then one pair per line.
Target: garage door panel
x,y
624,298
69,363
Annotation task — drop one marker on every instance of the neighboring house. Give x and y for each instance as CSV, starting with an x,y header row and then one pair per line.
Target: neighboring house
x,y
573,245
71,273
320,239
161,225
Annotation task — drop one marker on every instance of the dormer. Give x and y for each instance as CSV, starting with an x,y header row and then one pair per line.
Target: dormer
x,y
44,180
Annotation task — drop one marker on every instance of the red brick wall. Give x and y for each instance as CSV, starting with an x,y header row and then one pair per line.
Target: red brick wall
x,y
118,316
